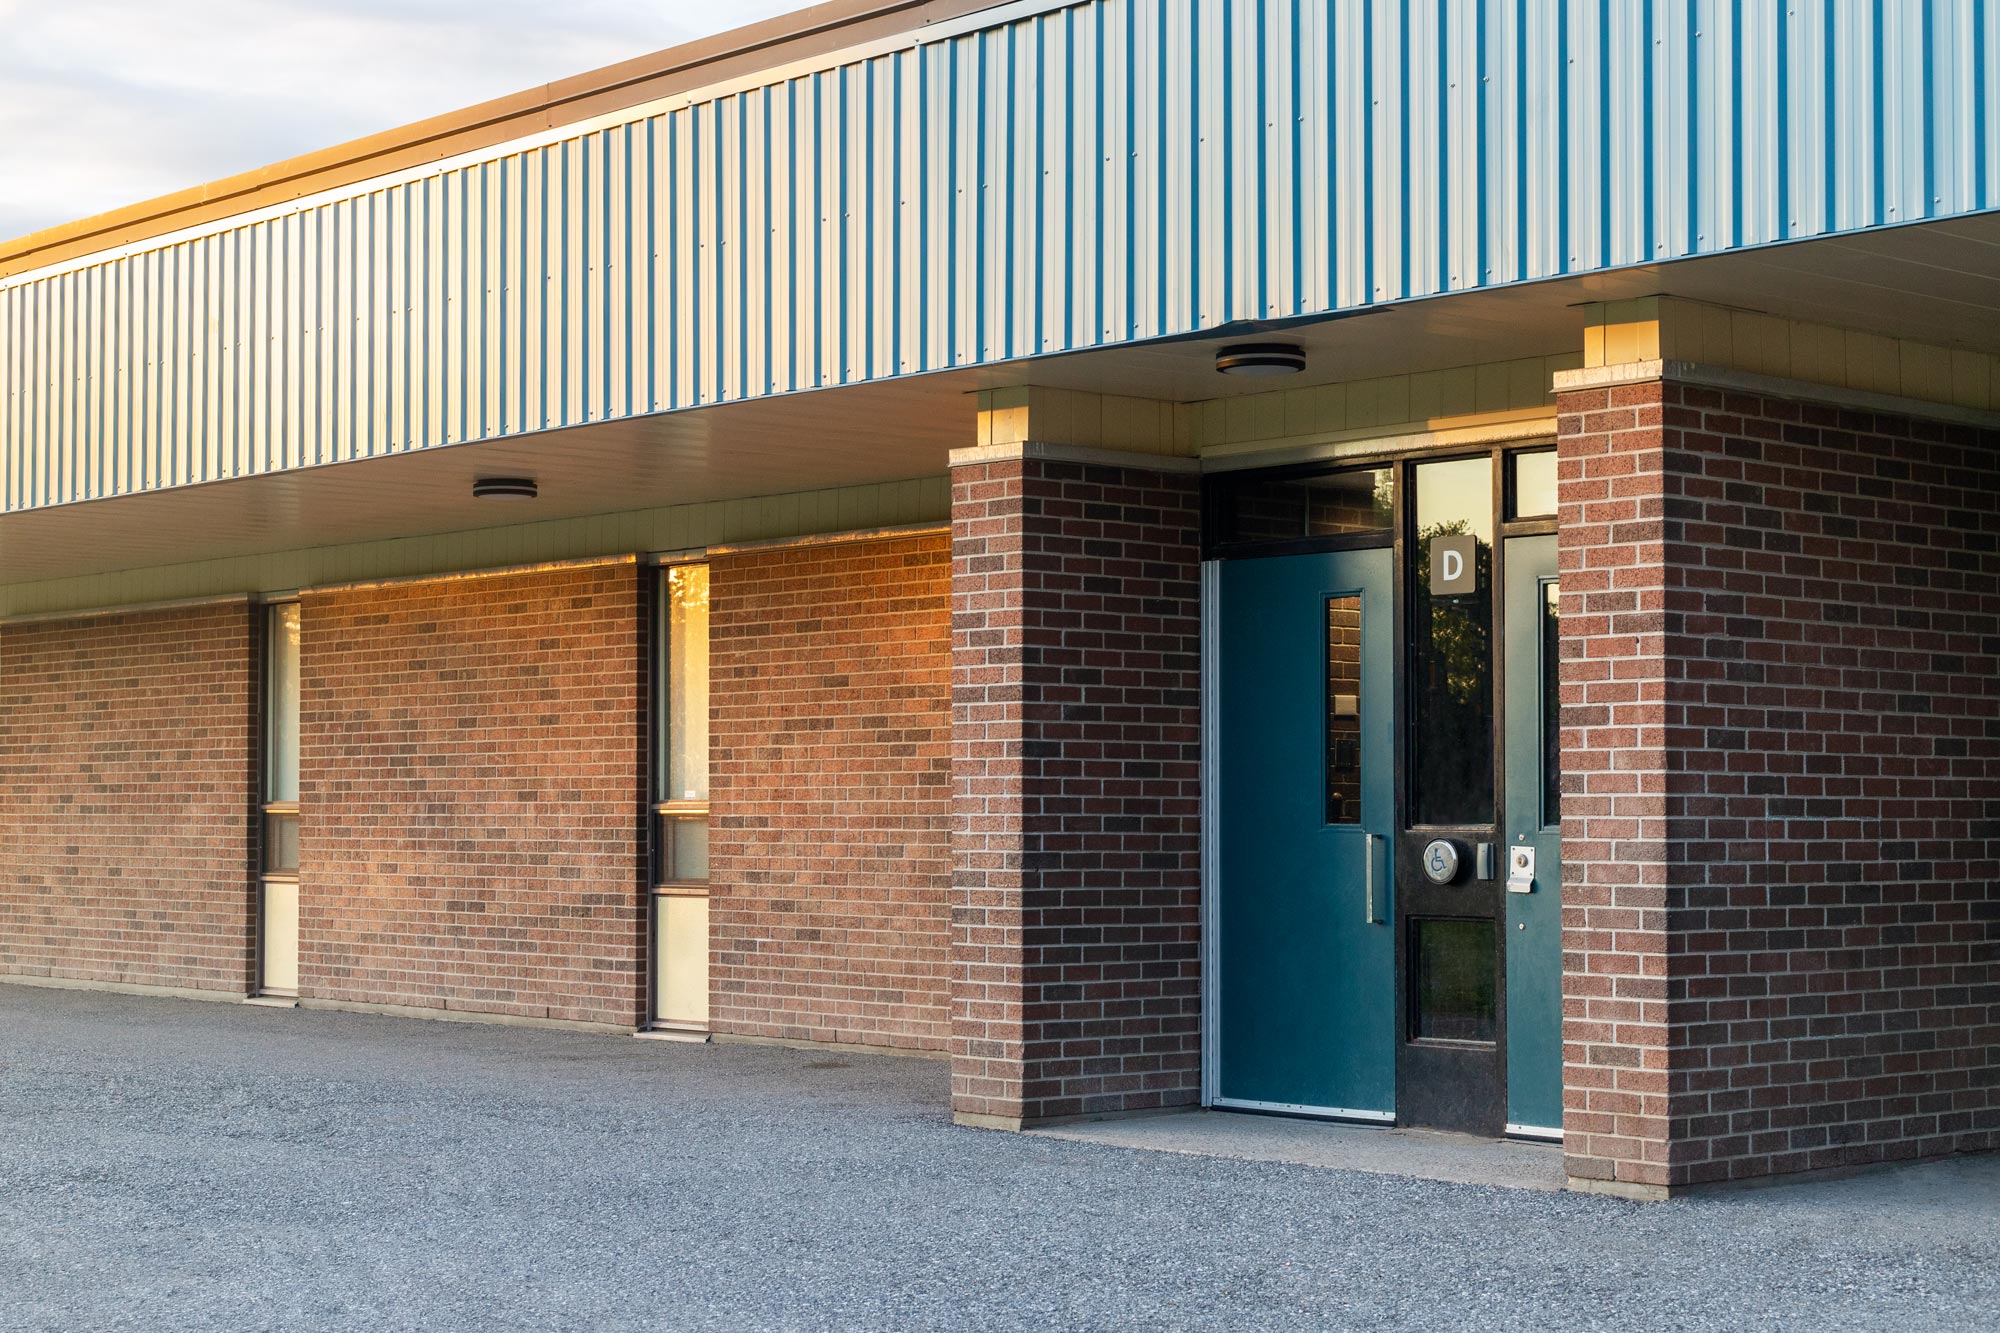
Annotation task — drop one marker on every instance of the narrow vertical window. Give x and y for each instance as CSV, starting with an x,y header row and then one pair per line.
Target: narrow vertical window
x,y
1451,644
680,801
278,944
1551,707
1343,710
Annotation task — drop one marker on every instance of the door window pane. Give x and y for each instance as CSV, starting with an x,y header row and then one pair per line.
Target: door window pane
x,y
1534,484
1451,644
1343,710
685,776
281,767
1453,995
1551,707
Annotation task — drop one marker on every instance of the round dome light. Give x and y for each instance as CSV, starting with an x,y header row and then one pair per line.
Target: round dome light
x,y
1261,359
505,488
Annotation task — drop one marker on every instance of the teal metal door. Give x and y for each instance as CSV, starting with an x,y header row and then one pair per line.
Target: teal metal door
x,y
1305,799
1533,824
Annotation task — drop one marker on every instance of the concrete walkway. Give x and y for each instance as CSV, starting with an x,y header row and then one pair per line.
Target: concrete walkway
x,y
1391,1152
177,1165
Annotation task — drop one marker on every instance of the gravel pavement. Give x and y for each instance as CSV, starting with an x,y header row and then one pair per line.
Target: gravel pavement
x,y
170,1164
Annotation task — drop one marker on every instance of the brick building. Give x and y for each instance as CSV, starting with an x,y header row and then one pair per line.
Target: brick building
x,y
1427,568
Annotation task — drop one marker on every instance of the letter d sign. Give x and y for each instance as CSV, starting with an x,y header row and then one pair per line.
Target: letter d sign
x,y
1452,572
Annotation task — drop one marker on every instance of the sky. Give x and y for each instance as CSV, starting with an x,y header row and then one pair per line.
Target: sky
x,y
108,102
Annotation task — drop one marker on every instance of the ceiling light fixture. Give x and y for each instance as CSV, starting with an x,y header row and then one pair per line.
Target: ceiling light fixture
x,y
505,488
1261,359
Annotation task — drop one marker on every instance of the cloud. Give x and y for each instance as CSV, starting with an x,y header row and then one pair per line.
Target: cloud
x,y
108,102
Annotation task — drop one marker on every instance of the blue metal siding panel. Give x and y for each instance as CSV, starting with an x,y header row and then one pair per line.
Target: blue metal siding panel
x,y
1106,172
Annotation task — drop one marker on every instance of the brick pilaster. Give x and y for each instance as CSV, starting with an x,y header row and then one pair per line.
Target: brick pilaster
x,y
1781,736
1075,790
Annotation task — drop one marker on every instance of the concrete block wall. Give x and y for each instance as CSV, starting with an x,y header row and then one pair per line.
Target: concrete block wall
x,y
1781,732
128,764
830,759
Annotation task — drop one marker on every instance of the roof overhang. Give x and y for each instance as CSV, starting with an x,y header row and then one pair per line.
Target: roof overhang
x,y
1939,281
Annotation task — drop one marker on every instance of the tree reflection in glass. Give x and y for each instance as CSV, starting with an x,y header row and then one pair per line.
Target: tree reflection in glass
x,y
1451,651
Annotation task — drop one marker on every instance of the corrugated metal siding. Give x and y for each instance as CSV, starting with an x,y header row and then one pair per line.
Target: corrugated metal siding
x,y
1101,173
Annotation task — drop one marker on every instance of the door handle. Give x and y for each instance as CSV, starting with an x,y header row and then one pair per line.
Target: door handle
x,y
1368,849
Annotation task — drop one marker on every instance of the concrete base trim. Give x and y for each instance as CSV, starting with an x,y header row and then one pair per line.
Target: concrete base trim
x,y
1627,1190
1621,1189
1024,1124
121,987
463,1016
847,1047
1011,1124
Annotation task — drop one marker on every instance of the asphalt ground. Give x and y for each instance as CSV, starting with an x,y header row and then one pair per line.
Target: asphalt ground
x,y
171,1164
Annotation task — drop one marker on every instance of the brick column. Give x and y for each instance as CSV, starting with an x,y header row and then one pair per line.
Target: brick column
x,y
1781,747
1075,790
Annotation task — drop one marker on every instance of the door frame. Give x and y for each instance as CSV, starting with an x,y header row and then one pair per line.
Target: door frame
x,y
1500,447
1211,844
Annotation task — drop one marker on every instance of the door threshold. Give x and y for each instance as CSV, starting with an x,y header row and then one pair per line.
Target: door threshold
x,y
696,1036
1534,1134
272,1001
1301,1112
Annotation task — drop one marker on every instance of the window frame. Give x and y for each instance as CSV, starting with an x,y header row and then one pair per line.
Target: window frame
x,y
665,811
270,808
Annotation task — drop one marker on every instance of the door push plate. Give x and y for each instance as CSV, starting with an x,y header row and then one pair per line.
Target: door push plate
x,y
1441,861
1520,870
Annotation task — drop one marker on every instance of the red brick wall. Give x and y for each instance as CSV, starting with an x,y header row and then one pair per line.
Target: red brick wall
x,y
1781,733
1075,790
472,795
128,753
829,852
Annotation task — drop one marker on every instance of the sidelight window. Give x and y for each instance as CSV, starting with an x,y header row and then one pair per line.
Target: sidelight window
x,y
1451,643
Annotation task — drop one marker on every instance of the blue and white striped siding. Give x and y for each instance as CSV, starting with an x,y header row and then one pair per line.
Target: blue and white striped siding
x,y
1062,177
